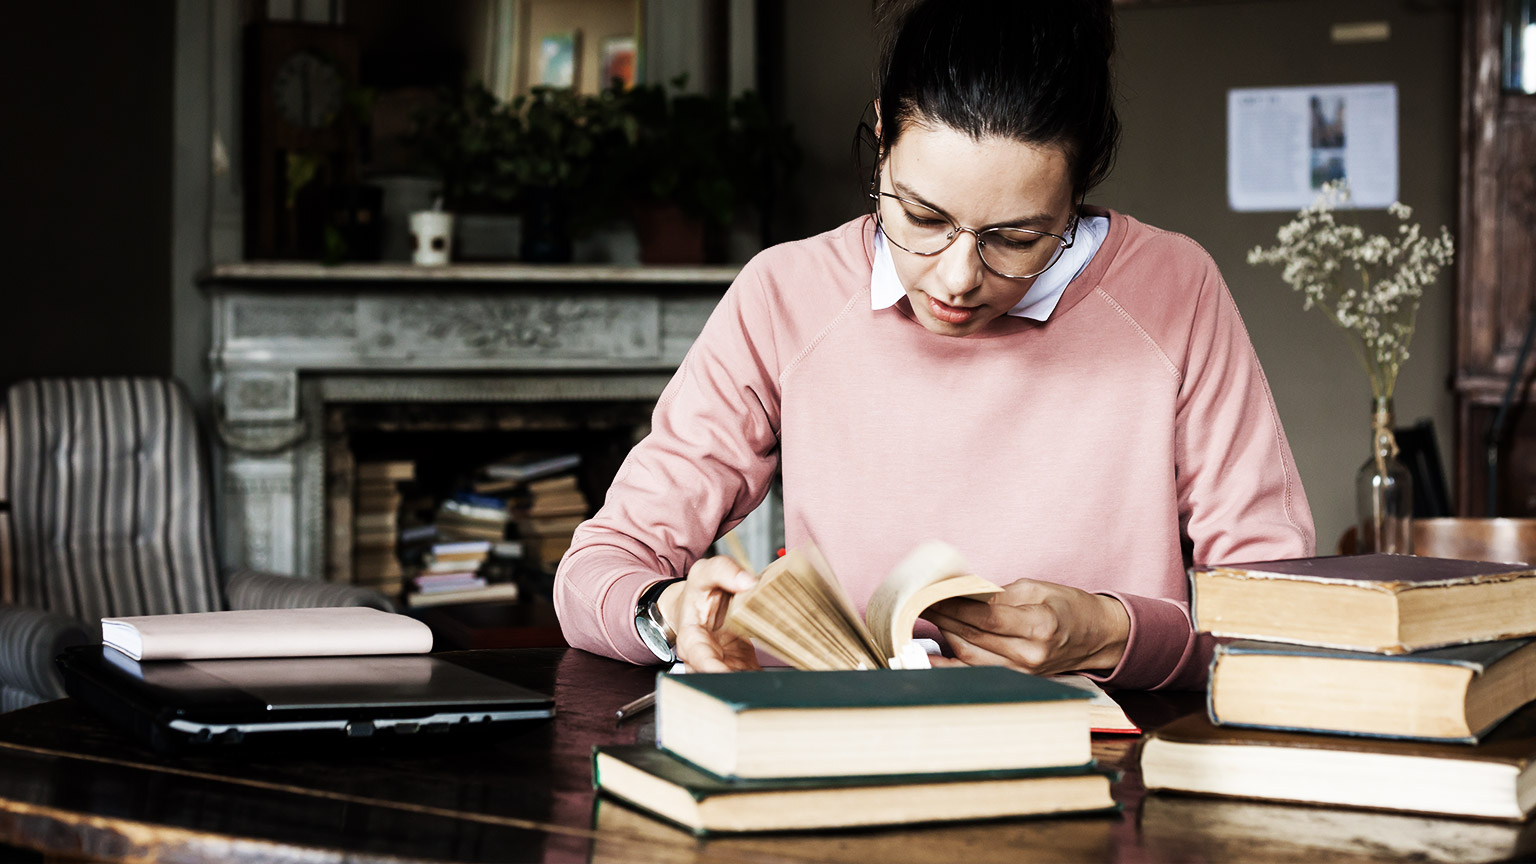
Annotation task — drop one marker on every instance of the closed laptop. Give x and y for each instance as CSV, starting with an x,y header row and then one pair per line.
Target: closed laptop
x,y
172,704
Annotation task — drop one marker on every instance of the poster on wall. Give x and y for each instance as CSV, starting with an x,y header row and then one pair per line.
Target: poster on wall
x,y
558,57
1284,143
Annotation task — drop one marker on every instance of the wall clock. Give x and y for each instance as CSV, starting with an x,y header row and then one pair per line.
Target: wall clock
x,y
298,78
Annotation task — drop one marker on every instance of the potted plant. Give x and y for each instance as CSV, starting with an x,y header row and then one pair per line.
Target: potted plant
x,y
698,162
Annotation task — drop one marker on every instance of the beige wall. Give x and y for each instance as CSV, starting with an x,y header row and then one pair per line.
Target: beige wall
x,y
1177,63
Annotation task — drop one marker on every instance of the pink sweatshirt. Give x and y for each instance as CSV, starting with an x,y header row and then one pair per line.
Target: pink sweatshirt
x,y
1087,450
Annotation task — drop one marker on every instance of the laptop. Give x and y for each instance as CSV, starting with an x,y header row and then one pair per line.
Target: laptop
x,y
175,704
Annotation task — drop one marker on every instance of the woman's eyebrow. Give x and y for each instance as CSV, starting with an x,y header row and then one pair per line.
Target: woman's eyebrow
x,y
1032,221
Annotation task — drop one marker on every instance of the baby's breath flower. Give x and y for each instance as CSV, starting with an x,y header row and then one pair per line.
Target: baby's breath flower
x,y
1368,285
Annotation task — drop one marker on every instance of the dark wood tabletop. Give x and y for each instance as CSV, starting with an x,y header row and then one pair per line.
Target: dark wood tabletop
x,y
73,787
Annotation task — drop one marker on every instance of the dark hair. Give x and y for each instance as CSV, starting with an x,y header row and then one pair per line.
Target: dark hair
x,y
1036,71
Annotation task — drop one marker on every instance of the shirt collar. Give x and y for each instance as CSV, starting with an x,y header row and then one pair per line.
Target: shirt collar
x,y
885,287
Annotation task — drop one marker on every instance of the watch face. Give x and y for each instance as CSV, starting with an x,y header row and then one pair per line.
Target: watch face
x,y
307,91
654,639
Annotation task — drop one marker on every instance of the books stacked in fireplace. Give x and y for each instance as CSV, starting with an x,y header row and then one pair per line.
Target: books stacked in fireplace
x,y
785,750
375,523
1383,681
468,516
459,572
547,515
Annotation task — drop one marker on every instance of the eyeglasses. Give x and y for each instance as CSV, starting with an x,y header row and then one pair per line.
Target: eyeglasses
x,y
1013,253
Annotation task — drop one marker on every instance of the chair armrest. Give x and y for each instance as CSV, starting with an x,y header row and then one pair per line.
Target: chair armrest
x,y
253,589
30,639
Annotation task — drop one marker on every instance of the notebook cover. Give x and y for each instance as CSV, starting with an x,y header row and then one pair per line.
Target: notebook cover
x,y
327,631
876,688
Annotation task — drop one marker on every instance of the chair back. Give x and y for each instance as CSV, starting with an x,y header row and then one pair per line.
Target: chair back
x,y
1476,539
109,497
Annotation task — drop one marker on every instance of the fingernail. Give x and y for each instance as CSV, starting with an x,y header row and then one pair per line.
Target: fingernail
x,y
743,581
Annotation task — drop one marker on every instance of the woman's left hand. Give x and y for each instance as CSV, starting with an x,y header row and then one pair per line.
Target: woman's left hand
x,y
1037,627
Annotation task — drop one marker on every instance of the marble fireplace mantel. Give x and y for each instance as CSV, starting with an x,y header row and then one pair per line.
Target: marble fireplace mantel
x,y
289,338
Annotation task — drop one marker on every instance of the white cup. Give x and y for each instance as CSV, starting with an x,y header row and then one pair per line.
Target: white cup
x,y
431,237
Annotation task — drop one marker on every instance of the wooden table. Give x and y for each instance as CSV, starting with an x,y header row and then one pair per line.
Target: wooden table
x,y
473,626
73,787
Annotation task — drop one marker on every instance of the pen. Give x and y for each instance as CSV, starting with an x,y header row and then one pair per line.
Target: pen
x,y
630,709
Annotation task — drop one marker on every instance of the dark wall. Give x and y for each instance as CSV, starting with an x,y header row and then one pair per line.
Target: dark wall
x,y
87,188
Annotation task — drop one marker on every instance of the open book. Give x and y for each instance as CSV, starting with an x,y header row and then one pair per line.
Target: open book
x,y
800,612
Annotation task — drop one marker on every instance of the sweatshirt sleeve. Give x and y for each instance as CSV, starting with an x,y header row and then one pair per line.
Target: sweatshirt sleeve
x,y
708,462
1239,494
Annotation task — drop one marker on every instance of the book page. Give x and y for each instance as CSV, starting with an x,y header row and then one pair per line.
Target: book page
x,y
933,571
801,613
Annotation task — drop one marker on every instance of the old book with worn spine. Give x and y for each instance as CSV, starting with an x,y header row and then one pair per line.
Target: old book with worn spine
x,y
1454,694
788,723
1382,603
1492,779
705,804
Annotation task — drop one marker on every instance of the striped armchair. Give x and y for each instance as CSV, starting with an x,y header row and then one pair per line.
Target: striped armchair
x,y
110,513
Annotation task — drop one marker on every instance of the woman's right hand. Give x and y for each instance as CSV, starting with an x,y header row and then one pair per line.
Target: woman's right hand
x,y
696,609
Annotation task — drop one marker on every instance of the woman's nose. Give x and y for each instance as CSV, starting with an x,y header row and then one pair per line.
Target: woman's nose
x,y
960,268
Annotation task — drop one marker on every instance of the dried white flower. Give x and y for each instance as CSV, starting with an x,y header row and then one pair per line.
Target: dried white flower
x,y
1368,285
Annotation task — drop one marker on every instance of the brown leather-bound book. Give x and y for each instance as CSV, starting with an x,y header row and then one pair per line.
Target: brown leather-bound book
x,y
1383,603
1491,779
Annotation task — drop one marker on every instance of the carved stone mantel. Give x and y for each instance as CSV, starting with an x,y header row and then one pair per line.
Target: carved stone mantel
x,y
290,337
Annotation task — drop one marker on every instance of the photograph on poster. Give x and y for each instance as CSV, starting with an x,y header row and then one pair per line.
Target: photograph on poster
x,y
1284,143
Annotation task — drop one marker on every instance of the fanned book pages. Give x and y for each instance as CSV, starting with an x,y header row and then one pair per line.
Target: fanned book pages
x,y
1383,603
800,612
266,633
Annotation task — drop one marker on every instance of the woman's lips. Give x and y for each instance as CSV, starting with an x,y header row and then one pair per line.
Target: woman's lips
x,y
950,314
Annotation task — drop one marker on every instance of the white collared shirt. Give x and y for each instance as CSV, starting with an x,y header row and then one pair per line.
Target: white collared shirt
x,y
885,287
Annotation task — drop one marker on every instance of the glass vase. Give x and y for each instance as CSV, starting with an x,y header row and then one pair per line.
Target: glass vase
x,y
1384,491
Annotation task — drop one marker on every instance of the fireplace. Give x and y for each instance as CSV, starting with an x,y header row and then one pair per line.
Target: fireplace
x,y
315,364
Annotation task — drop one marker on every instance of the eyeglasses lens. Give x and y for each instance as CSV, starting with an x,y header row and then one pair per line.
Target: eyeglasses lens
x,y
1009,251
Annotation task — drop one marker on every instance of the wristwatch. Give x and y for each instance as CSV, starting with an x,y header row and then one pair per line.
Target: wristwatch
x,y
654,630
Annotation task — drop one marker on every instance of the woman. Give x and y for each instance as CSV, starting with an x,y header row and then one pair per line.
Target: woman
x,y
1065,394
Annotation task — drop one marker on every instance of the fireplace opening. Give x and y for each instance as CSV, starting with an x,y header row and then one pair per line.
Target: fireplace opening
x,y
436,503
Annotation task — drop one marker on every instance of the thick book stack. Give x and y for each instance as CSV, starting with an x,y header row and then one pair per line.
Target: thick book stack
x,y
789,750
375,524
1380,681
547,513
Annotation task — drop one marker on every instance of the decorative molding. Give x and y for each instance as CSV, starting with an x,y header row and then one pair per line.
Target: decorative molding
x,y
295,318
252,395
586,327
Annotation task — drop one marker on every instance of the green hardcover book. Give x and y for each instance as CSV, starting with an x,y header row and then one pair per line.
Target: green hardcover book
x,y
1388,604
787,723
1492,779
1450,694
703,803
